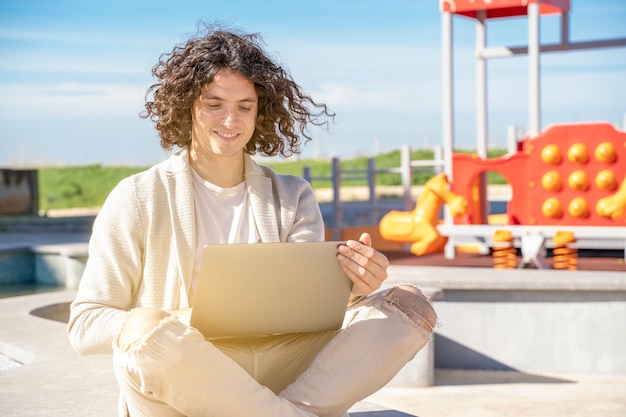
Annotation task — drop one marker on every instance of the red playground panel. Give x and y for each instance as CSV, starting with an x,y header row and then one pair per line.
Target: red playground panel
x,y
557,178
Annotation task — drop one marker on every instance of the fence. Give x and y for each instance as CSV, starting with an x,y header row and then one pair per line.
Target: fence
x,y
372,206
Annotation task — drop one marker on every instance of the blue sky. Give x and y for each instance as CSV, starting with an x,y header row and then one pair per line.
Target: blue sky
x,y
73,74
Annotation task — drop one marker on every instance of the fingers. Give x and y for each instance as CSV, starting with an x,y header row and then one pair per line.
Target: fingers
x,y
365,266
366,239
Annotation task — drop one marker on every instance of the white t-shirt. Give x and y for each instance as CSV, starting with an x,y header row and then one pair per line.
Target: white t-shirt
x,y
223,215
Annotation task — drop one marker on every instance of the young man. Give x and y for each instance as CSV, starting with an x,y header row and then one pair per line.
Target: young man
x,y
220,99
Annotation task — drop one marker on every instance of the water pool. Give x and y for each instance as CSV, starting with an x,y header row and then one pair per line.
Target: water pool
x,y
40,269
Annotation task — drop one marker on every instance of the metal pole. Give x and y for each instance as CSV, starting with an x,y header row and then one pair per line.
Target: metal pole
x,y
481,85
337,207
438,156
564,29
534,92
407,176
481,105
447,110
371,181
447,91
511,139
508,51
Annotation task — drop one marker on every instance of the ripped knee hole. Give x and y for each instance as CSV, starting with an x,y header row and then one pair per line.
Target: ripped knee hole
x,y
139,323
414,304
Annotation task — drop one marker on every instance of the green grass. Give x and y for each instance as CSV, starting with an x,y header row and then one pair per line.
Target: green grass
x,y
79,186
88,186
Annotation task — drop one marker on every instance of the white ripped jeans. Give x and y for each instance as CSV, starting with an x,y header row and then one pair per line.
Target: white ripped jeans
x,y
173,371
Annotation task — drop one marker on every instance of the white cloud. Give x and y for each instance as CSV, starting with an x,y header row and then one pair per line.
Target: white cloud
x,y
71,63
109,38
69,101
391,96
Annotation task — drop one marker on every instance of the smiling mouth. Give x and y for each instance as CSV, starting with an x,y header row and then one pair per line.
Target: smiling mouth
x,y
227,135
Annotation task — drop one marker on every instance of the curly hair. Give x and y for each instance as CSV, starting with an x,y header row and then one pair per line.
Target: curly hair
x,y
285,112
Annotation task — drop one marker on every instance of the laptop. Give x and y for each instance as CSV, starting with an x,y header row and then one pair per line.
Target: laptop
x,y
270,288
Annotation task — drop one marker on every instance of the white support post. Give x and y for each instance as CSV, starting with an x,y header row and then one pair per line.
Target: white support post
x,y
481,85
512,139
438,156
447,111
447,98
481,103
534,84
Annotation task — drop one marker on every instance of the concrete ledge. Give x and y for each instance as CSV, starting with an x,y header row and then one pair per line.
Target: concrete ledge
x,y
22,241
57,260
447,278
528,320
70,250
365,409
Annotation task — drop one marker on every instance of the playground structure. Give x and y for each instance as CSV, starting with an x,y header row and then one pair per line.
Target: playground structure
x,y
614,205
563,179
419,225
563,176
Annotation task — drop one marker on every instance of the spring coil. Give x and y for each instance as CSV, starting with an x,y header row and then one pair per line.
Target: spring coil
x,y
504,257
564,256
504,253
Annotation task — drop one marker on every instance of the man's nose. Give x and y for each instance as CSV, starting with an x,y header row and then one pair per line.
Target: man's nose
x,y
230,117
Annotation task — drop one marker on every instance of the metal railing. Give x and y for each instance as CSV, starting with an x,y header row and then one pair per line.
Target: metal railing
x,y
372,207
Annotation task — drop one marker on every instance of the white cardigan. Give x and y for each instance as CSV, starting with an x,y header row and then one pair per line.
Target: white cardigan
x,y
141,252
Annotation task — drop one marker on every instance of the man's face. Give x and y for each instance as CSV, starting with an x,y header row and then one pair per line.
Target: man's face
x,y
224,116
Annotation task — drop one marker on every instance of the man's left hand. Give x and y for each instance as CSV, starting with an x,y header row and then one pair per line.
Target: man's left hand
x,y
364,265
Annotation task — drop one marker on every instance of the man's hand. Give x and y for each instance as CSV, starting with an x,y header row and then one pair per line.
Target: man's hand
x,y
364,265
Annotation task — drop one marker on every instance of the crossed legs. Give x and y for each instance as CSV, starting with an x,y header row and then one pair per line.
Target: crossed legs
x,y
166,368
380,335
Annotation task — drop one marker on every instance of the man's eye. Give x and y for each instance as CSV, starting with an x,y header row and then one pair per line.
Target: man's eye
x,y
245,108
213,106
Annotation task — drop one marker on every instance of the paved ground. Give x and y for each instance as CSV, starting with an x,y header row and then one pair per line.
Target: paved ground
x,y
510,394
40,375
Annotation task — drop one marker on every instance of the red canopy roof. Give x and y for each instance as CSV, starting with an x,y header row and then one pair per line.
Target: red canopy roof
x,y
502,8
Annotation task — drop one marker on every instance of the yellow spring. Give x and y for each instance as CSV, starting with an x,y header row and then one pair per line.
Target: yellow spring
x,y
504,253
504,257
564,257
